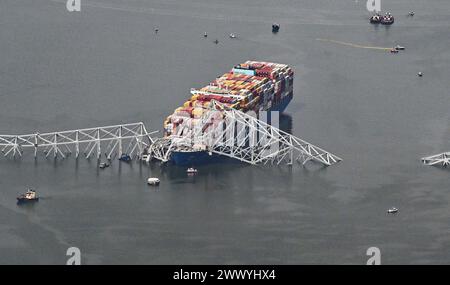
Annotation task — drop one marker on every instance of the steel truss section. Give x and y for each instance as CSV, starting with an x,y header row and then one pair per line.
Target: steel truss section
x,y
229,132
131,139
442,159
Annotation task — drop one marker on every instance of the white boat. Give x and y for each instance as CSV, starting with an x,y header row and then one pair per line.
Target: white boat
x,y
103,165
29,196
399,47
191,170
232,36
153,181
392,210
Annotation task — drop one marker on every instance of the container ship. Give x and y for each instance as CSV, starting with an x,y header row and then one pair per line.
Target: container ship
x,y
253,85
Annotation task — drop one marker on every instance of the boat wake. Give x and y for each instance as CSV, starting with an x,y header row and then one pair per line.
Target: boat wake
x,y
354,45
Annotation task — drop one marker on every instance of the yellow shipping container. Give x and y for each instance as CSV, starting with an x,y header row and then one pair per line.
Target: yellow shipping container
x,y
197,112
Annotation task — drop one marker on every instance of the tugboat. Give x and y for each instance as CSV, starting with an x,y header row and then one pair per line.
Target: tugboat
x,y
388,19
275,28
154,181
375,19
28,197
125,158
191,170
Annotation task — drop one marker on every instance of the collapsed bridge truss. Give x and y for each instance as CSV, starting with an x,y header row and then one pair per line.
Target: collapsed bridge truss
x,y
442,159
232,133
129,139
220,131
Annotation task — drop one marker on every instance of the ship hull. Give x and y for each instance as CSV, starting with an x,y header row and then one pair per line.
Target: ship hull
x,y
192,158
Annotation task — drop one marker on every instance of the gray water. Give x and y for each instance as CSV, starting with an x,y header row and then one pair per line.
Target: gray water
x,y
105,65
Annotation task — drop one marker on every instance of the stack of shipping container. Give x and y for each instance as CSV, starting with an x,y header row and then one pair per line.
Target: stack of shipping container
x,y
252,85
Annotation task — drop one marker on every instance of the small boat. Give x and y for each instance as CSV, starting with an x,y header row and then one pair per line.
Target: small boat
x,y
205,35
103,165
156,30
125,157
29,197
216,41
392,210
191,170
420,74
232,36
146,157
399,47
153,181
411,14
387,20
394,50
375,19
275,28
